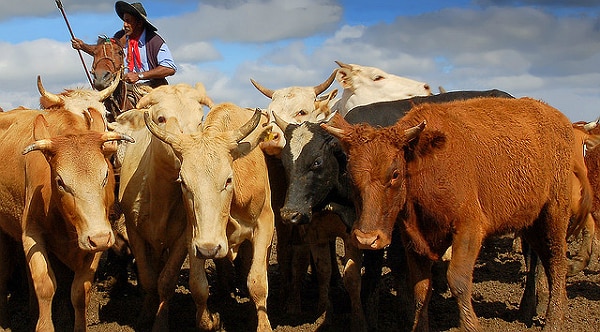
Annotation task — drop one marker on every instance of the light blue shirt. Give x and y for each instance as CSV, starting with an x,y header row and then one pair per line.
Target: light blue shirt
x,y
164,56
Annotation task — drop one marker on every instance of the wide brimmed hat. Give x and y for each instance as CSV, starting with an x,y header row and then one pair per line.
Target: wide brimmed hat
x,y
134,8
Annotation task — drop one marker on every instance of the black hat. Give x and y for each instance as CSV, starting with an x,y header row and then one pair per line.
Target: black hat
x,y
134,8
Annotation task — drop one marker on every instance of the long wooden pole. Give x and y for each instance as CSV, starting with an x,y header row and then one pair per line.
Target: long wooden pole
x,y
62,10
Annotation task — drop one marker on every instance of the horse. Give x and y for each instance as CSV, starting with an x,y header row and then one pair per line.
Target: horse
x,y
107,66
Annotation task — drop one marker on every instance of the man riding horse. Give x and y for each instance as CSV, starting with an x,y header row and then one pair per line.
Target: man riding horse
x,y
144,57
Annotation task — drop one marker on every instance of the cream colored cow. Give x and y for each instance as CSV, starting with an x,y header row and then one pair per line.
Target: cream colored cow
x,y
151,197
227,200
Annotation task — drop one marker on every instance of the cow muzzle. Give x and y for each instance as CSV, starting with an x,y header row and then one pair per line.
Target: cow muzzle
x,y
97,241
294,217
208,251
371,241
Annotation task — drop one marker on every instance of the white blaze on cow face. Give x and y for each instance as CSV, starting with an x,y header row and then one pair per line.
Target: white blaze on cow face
x,y
298,141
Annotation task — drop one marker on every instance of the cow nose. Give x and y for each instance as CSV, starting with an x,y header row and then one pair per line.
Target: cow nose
x,y
100,240
294,217
207,251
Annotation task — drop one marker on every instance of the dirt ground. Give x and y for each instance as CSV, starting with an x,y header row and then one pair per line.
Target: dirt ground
x,y
498,286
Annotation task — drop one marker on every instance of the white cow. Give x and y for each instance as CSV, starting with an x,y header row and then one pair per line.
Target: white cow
x,y
294,104
366,85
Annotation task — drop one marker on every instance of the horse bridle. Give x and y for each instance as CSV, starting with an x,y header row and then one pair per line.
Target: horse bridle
x,y
117,71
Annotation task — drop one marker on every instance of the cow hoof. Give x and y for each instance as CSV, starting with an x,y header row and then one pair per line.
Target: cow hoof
x,y
210,322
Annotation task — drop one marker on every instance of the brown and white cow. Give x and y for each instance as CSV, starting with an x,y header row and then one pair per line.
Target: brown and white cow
x,y
150,193
366,85
57,188
456,173
227,198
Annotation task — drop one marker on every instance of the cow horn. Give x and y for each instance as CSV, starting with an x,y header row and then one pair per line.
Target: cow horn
x,y
115,136
343,65
590,125
323,86
413,132
249,126
281,123
42,145
55,99
109,90
157,131
265,91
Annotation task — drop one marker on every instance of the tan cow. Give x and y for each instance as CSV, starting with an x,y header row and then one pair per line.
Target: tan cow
x,y
228,200
366,85
150,193
55,199
458,173
78,101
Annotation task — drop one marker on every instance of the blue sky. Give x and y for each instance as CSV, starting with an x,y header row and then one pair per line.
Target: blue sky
x,y
545,49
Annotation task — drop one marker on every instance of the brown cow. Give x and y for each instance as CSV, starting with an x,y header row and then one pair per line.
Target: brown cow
x,y
55,200
457,173
227,198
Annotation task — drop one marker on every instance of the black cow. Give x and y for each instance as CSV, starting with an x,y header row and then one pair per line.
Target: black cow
x,y
315,168
386,113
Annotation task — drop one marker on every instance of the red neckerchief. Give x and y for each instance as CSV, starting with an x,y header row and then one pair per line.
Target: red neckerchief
x,y
133,54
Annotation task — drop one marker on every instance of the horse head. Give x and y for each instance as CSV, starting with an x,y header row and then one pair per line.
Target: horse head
x,y
108,62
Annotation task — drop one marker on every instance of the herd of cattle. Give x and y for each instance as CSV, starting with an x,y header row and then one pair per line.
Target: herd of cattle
x,y
444,171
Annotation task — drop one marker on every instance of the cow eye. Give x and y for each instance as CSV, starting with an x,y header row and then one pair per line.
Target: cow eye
x,y
378,78
395,177
105,181
317,163
60,183
228,183
301,113
161,119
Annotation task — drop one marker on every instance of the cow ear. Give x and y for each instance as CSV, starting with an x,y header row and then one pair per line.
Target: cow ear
x,y
40,128
95,120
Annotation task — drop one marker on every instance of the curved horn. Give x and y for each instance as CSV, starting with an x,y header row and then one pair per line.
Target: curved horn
x,y
162,134
413,132
249,126
334,131
42,145
265,91
115,136
109,90
343,65
281,123
205,100
55,99
590,125
323,86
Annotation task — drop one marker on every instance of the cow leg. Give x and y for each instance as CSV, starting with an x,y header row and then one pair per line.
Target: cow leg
x,y
581,260
42,275
549,243
6,269
352,283
205,320
419,280
321,256
257,282
465,249
147,277
167,282
80,289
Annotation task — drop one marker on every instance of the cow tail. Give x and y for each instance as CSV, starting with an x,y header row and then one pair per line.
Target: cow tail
x,y
585,202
